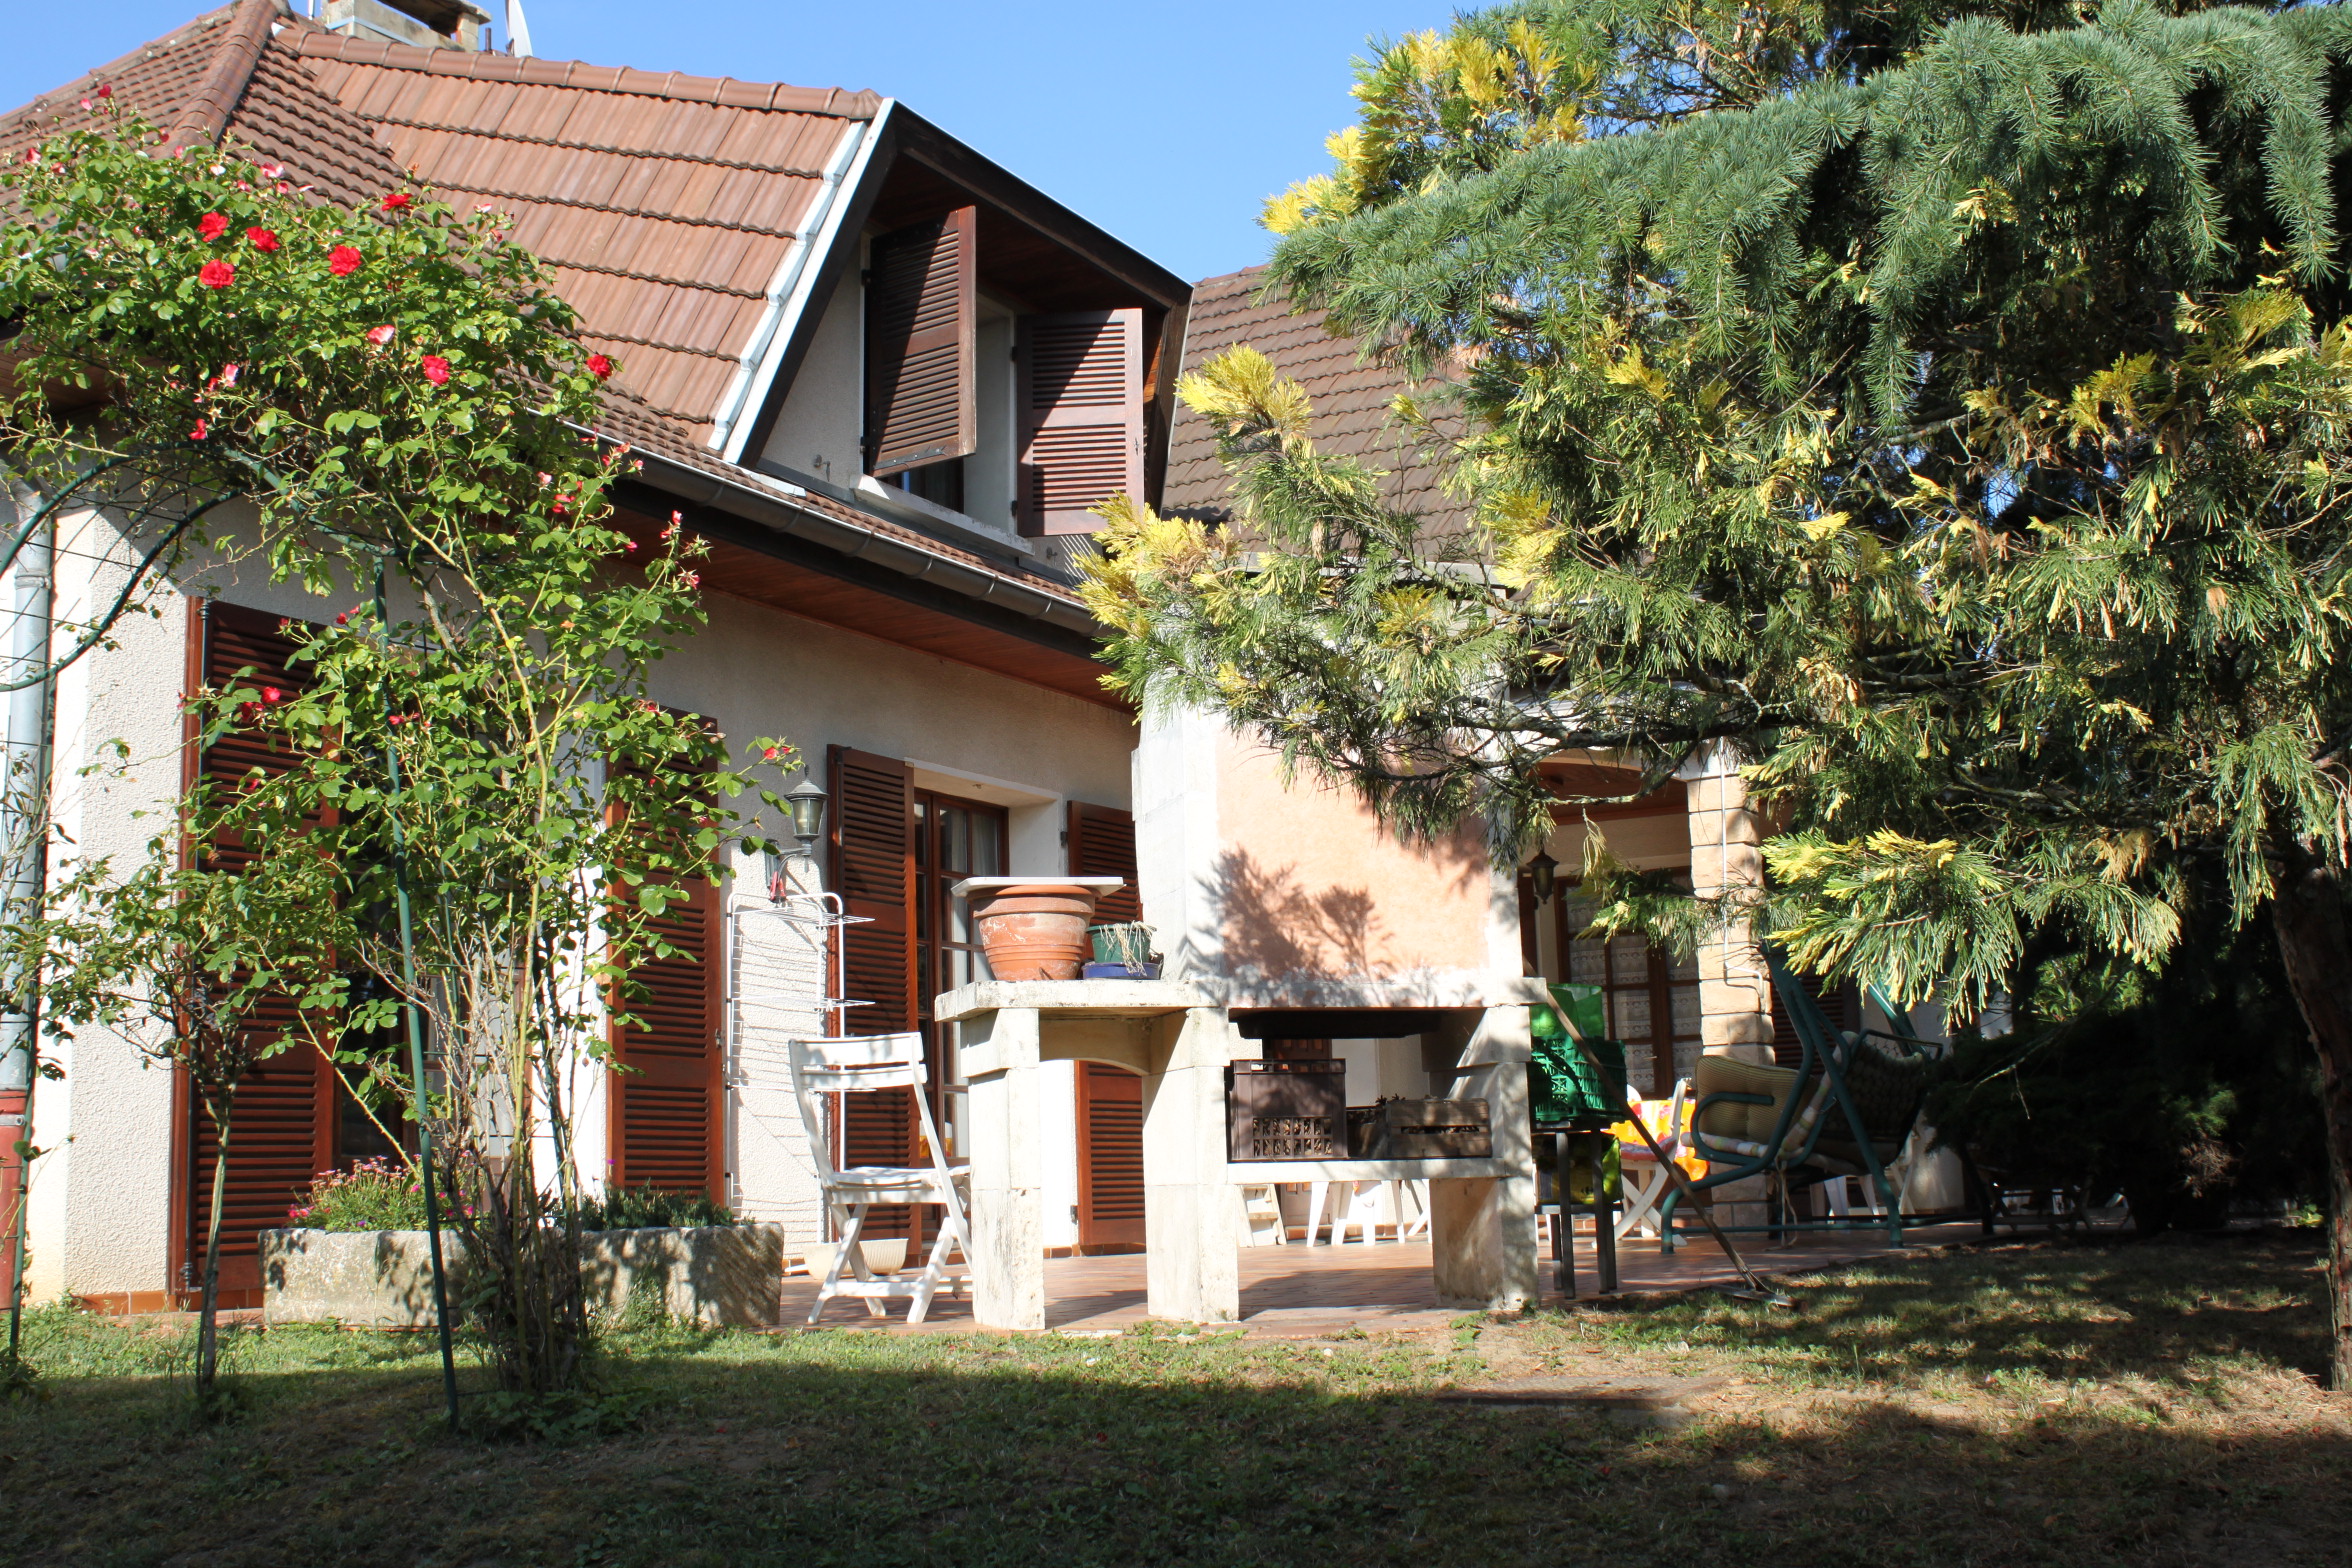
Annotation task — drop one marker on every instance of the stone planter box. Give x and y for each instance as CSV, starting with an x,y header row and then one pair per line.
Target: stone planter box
x,y
718,1276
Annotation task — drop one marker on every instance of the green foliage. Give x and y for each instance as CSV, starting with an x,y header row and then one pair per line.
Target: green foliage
x,y
648,1207
468,763
371,1195
1957,433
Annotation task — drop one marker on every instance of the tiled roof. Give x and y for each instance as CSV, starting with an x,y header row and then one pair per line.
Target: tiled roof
x,y
665,204
1351,400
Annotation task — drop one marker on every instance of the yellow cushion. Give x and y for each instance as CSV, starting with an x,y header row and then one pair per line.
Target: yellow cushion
x,y
1730,1075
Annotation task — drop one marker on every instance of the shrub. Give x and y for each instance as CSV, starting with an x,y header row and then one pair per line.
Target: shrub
x,y
372,1195
648,1207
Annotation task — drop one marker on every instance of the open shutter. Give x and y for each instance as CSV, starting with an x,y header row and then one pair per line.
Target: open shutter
x,y
920,299
1102,844
874,872
283,1130
1081,410
1110,1158
667,1115
666,1112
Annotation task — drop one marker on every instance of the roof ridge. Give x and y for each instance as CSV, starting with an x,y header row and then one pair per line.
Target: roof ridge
x,y
486,65
204,115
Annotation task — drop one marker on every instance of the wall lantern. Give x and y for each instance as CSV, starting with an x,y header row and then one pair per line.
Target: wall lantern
x,y
1543,874
807,803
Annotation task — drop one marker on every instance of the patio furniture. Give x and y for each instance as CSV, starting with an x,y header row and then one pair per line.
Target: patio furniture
x,y
1646,1182
1352,1203
1845,1109
1261,1215
822,1070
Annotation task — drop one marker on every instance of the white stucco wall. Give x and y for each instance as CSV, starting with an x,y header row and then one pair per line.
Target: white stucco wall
x,y
99,1205
821,426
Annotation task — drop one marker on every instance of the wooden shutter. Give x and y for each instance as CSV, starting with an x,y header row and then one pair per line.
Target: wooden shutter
x,y
1110,1158
667,1111
1080,404
1841,1005
1102,844
282,1133
874,872
920,299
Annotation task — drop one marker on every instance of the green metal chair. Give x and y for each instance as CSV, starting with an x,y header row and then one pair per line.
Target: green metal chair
x,y
1845,1109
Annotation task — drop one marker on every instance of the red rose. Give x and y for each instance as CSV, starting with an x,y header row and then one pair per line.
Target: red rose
x,y
216,274
262,239
770,754
200,432
599,366
106,91
396,201
343,261
436,368
380,336
212,226
272,694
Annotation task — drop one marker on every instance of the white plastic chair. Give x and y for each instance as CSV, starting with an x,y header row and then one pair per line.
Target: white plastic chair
x,y
822,1069
1646,1181
1353,1203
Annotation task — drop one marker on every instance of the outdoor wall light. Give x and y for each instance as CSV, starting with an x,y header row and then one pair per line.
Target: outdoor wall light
x,y
807,803
1543,874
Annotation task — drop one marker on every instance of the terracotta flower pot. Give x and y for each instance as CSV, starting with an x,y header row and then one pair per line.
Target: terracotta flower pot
x,y
1034,931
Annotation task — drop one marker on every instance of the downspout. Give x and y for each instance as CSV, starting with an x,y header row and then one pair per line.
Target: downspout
x,y
795,281
24,840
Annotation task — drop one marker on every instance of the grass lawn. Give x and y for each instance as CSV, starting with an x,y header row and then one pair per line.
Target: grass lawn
x,y
2116,1403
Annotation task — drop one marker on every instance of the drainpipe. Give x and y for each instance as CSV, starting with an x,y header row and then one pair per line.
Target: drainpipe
x,y
24,840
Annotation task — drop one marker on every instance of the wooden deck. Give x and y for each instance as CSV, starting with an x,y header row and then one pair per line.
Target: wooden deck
x,y
1301,1292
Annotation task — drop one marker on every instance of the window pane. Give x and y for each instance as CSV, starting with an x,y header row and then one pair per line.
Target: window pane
x,y
987,845
1629,1014
1587,963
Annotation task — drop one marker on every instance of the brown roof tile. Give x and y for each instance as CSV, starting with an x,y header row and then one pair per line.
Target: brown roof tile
x,y
1352,401
663,203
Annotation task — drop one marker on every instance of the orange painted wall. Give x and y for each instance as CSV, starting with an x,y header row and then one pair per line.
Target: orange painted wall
x,y
1309,883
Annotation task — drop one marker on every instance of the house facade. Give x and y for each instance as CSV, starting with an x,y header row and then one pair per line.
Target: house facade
x,y
885,381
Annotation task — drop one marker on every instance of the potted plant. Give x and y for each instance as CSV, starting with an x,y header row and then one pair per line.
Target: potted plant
x,y
1034,928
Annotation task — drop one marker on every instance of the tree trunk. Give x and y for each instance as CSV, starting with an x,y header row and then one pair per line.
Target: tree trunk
x,y
2315,941
207,1307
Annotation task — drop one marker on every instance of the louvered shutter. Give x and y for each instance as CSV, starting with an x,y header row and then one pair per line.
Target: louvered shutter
x,y
1840,1004
666,1114
1081,416
668,1110
282,1132
874,872
1110,1158
1102,844
920,300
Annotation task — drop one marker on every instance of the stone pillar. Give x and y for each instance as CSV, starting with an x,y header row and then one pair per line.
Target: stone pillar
x,y
1482,1228
1000,1056
1735,992
1191,1214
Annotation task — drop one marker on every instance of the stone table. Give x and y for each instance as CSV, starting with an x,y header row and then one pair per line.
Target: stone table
x,y
1180,1038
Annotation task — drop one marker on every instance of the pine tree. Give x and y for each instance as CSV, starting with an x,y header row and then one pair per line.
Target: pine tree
x,y
1956,426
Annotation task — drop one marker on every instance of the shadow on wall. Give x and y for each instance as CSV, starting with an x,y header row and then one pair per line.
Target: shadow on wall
x,y
1275,927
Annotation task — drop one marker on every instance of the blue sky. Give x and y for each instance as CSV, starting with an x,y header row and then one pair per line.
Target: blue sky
x,y
1166,124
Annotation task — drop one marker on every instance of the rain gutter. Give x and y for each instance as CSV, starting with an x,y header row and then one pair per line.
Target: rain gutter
x,y
769,503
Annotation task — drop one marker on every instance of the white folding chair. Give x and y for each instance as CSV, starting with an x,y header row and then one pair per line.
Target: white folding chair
x,y
824,1069
1355,1203
1261,1215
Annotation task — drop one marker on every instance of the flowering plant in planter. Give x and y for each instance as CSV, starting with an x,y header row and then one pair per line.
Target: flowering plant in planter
x,y
372,1195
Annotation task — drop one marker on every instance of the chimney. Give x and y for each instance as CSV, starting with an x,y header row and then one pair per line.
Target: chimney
x,y
423,24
